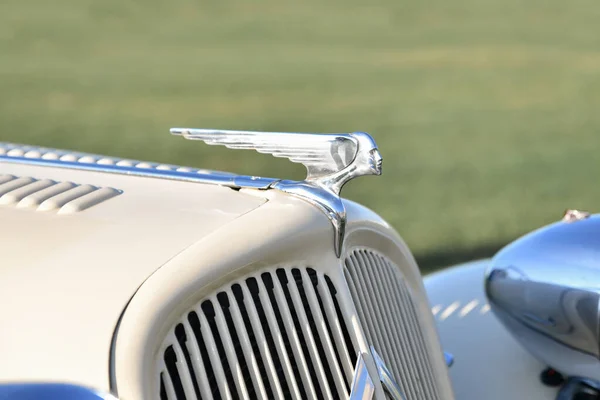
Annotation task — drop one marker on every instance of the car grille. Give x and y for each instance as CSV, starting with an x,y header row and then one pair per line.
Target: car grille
x,y
275,334
390,321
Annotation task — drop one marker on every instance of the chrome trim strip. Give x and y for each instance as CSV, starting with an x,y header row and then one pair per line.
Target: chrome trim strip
x,y
233,181
329,203
362,386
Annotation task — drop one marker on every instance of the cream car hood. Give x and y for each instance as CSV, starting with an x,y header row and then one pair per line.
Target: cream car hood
x,y
65,278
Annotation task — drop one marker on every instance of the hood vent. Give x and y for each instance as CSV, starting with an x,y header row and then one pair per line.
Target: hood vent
x,y
49,195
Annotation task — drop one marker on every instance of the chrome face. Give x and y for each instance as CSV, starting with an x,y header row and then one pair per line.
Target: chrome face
x,y
331,160
545,288
376,162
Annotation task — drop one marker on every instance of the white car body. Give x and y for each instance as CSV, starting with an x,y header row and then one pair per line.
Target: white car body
x,y
94,282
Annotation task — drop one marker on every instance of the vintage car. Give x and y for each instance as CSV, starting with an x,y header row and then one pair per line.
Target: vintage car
x,y
137,280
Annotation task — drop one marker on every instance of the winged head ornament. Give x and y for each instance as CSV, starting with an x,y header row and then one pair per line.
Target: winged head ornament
x,y
331,160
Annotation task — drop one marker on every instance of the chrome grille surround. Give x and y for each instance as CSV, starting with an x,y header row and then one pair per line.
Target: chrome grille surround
x,y
390,321
277,333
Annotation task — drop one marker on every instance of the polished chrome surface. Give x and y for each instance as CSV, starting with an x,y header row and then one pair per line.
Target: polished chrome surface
x,y
545,288
577,388
363,387
14,150
390,386
180,174
329,203
331,160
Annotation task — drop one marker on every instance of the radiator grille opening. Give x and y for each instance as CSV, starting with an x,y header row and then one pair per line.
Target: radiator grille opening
x,y
389,318
279,334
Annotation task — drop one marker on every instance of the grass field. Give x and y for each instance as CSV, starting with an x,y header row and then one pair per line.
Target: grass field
x,y
487,112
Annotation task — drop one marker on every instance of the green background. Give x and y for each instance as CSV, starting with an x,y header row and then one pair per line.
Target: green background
x,y
486,111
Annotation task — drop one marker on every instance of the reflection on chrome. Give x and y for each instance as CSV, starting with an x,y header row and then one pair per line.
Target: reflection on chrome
x,y
363,387
449,310
545,288
577,388
390,386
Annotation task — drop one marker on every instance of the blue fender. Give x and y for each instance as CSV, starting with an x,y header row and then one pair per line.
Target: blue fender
x,y
488,363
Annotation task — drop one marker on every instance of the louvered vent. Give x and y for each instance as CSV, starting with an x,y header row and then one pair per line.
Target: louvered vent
x,y
390,321
278,334
49,195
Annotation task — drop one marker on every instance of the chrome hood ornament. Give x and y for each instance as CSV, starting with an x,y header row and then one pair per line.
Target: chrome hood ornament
x,y
331,160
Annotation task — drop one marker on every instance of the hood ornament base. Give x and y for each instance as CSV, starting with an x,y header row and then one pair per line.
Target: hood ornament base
x,y
331,160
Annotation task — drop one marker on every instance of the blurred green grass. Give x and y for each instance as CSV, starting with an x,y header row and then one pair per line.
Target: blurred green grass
x,y
486,111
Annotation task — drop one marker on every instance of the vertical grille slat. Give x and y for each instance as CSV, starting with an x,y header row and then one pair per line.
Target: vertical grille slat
x,y
278,334
373,333
281,344
419,345
338,335
407,365
323,335
169,390
246,346
401,337
386,308
296,345
234,361
213,354
265,346
388,332
416,372
385,349
197,362
183,371
309,337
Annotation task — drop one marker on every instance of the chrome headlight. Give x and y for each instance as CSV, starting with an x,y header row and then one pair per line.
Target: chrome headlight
x,y
545,288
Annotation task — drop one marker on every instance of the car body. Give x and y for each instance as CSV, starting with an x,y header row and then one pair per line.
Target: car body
x,y
137,280
157,281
